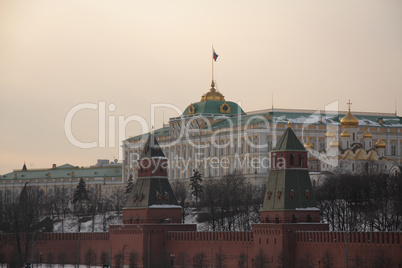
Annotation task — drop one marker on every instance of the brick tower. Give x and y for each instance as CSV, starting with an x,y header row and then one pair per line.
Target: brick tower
x,y
289,203
289,196
151,212
152,199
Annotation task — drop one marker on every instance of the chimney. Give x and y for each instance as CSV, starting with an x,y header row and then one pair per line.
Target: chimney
x,y
54,166
380,120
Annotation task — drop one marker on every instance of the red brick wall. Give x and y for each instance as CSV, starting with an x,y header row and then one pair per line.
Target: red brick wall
x,y
294,242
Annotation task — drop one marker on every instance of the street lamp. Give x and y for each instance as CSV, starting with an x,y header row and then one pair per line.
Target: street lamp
x,y
33,242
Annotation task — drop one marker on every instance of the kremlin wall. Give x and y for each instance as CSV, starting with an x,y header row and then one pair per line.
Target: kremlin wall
x,y
290,233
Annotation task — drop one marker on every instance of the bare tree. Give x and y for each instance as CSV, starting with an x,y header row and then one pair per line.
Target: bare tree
x,y
104,257
261,260
230,203
383,260
118,199
133,259
50,260
90,257
361,202
118,259
242,262
200,259
22,218
61,260
181,259
220,259
307,261
181,193
105,207
93,205
327,259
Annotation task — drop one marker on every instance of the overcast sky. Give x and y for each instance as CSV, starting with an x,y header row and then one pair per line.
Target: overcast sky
x,y
55,55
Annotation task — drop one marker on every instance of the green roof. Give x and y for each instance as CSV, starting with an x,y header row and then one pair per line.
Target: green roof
x,y
146,191
151,148
289,142
287,181
213,107
65,171
279,116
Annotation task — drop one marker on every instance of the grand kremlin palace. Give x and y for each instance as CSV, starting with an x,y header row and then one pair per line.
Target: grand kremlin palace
x,y
217,137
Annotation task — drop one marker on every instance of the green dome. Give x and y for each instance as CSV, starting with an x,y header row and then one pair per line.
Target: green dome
x,y
214,107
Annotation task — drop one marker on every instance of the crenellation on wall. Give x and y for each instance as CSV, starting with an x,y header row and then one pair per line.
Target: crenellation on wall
x,y
210,236
349,237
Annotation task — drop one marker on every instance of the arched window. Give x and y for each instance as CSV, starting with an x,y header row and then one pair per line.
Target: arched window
x,y
300,160
222,148
255,144
292,160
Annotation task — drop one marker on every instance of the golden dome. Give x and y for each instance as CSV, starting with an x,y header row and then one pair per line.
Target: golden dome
x,y
329,134
349,120
367,135
212,94
334,143
345,134
308,144
380,144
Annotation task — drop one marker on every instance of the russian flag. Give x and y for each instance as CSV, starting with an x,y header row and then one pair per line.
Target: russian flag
x,y
214,55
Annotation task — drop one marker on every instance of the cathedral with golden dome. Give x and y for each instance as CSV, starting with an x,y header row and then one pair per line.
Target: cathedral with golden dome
x,y
216,137
352,151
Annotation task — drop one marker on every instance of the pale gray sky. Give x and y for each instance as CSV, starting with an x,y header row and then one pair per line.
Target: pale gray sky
x,y
57,54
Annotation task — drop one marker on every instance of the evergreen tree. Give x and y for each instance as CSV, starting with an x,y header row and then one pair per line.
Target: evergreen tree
x,y
81,192
80,201
130,185
195,185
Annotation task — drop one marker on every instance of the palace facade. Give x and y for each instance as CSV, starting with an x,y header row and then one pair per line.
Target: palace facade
x,y
290,233
102,179
217,137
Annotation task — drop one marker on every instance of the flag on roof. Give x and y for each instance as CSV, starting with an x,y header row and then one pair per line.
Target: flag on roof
x,y
214,55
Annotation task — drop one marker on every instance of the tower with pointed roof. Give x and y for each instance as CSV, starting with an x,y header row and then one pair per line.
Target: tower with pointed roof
x,y
152,199
289,196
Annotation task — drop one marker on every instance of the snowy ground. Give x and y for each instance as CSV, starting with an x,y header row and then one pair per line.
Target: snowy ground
x,y
70,224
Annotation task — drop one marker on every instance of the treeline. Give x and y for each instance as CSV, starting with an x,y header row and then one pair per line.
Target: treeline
x,y
361,202
33,211
227,204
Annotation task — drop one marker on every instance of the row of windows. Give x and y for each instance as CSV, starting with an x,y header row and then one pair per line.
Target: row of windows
x,y
209,172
